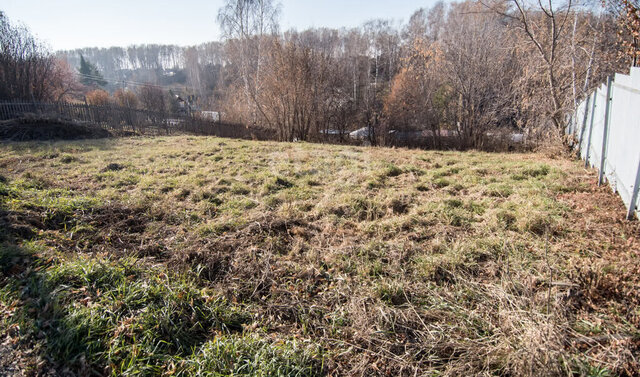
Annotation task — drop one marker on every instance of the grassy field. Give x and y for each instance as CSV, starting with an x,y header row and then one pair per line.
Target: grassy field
x,y
203,256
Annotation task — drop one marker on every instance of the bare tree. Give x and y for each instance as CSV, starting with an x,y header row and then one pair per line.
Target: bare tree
x,y
544,26
412,105
246,24
152,98
479,71
459,67
62,82
26,65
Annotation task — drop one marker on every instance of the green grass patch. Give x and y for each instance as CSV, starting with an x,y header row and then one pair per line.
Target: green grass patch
x,y
118,317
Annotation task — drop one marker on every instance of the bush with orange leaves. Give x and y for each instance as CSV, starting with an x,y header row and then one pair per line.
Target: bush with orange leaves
x,y
98,97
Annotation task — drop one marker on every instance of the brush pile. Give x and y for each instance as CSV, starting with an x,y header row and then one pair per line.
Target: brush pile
x,y
25,129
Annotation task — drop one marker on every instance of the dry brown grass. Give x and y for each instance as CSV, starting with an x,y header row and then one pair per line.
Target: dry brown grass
x,y
393,262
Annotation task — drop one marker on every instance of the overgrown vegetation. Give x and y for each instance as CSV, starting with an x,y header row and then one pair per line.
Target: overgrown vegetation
x,y
204,256
473,74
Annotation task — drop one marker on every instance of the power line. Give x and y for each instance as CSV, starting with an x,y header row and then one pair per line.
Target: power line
x,y
116,81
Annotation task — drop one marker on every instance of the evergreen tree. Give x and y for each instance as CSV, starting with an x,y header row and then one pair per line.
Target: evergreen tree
x,y
89,73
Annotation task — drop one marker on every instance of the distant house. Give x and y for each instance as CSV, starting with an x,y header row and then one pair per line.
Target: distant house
x,y
186,105
174,122
182,104
360,133
333,132
210,115
513,137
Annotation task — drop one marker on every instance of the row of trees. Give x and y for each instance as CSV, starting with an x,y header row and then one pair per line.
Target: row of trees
x,y
467,68
147,97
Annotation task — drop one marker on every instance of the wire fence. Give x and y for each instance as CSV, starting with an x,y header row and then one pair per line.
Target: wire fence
x,y
124,120
605,129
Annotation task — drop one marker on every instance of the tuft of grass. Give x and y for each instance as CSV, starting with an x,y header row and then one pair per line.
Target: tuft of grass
x,y
538,171
183,194
506,219
252,356
441,182
540,224
361,208
391,293
446,172
275,184
439,268
67,159
499,191
453,203
113,166
240,189
391,170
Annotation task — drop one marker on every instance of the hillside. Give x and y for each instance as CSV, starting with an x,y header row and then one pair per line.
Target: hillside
x,y
195,256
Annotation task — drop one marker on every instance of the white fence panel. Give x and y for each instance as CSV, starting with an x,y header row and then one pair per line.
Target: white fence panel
x,y
622,150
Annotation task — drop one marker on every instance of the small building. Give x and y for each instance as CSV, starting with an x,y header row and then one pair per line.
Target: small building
x,y
210,115
360,133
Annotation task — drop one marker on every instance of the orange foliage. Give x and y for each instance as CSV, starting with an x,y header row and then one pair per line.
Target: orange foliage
x,y
629,30
412,89
98,97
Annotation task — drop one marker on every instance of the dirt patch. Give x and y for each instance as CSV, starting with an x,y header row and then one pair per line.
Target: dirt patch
x,y
113,167
121,230
116,229
26,129
22,225
238,253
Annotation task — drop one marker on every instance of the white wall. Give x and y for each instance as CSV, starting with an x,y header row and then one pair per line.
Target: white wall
x,y
622,150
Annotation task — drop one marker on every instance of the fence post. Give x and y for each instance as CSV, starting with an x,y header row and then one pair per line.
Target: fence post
x,y
86,106
593,112
584,119
33,104
634,194
605,133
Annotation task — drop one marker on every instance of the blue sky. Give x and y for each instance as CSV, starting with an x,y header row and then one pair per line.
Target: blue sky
x,y
67,24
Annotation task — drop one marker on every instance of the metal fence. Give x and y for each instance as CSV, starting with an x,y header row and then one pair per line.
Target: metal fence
x,y
606,132
123,120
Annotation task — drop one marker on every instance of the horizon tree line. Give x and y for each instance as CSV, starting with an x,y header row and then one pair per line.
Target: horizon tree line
x,y
467,68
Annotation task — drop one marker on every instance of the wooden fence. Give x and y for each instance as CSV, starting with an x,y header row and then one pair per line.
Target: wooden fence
x,y
123,120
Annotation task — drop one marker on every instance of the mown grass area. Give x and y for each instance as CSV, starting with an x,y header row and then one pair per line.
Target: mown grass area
x,y
205,256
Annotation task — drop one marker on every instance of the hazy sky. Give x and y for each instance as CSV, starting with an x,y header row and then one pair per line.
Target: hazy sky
x,y
68,24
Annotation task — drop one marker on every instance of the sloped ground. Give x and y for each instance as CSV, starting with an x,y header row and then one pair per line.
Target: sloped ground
x,y
196,256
